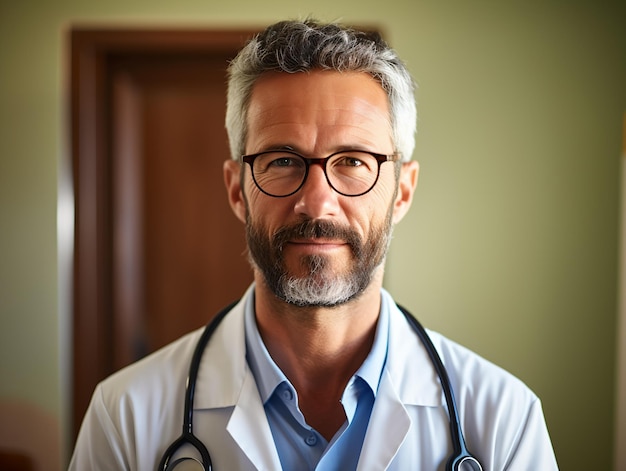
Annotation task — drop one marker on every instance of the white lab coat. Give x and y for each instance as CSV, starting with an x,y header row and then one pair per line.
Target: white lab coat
x,y
135,414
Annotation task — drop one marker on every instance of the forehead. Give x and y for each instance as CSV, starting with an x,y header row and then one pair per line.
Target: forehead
x,y
318,105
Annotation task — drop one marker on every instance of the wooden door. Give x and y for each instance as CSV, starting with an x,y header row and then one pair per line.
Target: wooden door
x,y
157,248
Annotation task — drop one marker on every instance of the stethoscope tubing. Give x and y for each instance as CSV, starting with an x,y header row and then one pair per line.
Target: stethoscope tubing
x,y
460,456
190,391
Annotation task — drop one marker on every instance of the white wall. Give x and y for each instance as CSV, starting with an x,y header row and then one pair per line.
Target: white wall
x,y
511,246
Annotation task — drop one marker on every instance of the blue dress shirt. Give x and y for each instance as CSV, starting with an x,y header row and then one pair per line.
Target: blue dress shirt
x,y
299,446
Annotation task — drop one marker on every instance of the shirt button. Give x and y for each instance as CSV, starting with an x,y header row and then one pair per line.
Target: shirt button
x,y
287,394
311,440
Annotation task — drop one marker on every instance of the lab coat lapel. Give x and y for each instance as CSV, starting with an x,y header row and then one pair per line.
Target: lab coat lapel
x,y
223,366
225,381
250,429
410,369
387,430
408,380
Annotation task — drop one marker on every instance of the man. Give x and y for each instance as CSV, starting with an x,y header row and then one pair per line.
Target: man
x,y
315,367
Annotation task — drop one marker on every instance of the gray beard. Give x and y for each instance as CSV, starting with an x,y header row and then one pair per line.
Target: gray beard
x,y
321,286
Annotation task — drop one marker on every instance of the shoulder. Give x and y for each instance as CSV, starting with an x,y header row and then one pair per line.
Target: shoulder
x,y
501,417
478,377
135,410
162,375
157,377
138,410
470,374
485,392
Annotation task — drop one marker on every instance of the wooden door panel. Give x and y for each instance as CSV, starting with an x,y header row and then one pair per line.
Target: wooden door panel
x,y
157,249
185,243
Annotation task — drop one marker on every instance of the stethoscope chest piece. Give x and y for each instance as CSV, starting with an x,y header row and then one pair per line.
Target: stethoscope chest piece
x,y
186,464
466,463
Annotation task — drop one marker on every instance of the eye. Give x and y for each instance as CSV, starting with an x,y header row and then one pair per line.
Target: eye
x,y
348,161
285,161
354,161
277,161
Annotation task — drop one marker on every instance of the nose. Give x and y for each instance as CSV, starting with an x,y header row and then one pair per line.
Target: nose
x,y
316,199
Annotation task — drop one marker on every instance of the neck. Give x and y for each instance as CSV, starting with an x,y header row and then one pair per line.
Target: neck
x,y
319,349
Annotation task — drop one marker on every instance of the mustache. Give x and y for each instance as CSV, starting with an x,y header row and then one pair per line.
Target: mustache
x,y
317,229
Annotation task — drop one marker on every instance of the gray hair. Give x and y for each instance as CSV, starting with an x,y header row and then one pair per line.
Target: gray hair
x,y
300,46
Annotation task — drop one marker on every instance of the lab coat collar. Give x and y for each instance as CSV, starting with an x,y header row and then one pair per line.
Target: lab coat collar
x,y
409,379
411,372
223,368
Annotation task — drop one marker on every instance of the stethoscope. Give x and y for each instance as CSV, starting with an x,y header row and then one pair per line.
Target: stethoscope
x,y
461,459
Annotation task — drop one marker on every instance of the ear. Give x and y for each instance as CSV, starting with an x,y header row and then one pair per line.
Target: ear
x,y
407,183
232,180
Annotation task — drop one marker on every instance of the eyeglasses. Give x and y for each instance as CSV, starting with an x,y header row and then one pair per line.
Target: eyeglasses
x,y
281,173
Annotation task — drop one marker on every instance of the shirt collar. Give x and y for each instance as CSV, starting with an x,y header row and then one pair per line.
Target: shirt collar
x,y
371,369
266,372
269,376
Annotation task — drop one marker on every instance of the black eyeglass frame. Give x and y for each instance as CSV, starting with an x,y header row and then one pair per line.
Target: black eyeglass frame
x,y
308,161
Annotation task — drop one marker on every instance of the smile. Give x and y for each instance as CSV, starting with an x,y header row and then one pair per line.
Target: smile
x,y
317,244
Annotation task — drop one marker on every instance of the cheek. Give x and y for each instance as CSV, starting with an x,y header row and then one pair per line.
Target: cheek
x,y
382,196
264,210
253,197
364,216
379,206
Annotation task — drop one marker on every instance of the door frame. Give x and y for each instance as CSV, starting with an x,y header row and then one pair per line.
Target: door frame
x,y
90,52
620,402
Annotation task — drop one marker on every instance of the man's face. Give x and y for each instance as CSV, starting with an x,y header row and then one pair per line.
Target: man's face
x,y
317,247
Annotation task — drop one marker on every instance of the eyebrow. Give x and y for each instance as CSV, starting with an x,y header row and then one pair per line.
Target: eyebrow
x,y
345,148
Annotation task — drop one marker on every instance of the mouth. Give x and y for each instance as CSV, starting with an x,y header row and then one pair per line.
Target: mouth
x,y
315,237
317,244
316,241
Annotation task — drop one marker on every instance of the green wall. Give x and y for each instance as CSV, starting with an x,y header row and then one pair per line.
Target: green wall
x,y
510,248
